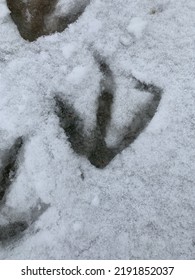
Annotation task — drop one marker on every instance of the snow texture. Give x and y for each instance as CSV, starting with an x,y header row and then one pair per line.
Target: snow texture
x,y
4,11
142,204
137,27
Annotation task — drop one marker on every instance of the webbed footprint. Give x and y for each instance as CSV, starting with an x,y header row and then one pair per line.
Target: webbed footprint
x,y
12,223
94,148
35,18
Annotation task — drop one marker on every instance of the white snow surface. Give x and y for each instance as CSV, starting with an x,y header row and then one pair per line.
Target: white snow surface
x,y
137,27
142,205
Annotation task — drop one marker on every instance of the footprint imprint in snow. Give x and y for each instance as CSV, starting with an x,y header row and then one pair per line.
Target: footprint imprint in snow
x,y
13,226
94,147
35,18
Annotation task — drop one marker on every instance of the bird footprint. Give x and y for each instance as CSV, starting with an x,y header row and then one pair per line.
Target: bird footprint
x,y
35,18
94,147
12,224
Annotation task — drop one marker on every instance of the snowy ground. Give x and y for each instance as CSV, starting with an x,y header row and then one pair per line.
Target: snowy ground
x,y
142,205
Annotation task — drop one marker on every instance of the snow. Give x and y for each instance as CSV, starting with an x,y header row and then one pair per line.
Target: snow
x,y
77,75
95,201
68,50
137,27
142,205
4,11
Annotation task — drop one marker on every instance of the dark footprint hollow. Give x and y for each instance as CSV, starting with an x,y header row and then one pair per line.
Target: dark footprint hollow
x,y
94,148
9,166
35,18
7,175
12,230
72,126
101,155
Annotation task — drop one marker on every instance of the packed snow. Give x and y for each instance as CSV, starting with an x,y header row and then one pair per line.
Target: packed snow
x,y
142,205
137,27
